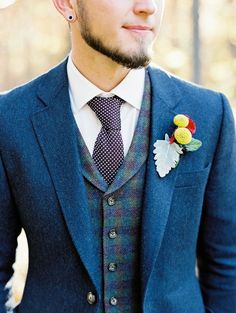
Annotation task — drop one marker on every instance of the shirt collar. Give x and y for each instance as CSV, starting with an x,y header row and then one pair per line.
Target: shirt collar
x,y
130,89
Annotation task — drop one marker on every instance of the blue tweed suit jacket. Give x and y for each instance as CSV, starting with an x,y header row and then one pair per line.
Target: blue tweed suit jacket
x,y
189,215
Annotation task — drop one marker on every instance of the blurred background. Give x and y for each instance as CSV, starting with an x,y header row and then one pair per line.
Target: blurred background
x,y
197,42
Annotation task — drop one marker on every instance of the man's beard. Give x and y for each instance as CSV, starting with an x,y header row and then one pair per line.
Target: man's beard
x,y
131,61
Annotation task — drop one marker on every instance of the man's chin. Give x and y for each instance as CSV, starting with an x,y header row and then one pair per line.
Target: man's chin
x,y
131,61
136,64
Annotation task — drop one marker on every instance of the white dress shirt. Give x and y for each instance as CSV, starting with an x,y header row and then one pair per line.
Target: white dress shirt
x,y
81,90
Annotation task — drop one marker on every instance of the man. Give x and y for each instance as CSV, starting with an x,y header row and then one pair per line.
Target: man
x,y
106,232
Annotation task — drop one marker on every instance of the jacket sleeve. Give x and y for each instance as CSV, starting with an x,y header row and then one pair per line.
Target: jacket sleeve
x,y
217,236
9,231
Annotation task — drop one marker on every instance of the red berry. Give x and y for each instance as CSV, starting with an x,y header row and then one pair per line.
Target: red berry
x,y
192,126
172,139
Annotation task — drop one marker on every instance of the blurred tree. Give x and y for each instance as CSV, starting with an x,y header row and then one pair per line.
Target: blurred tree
x,y
197,70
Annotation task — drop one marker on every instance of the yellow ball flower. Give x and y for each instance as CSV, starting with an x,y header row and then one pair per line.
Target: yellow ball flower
x,y
181,120
183,135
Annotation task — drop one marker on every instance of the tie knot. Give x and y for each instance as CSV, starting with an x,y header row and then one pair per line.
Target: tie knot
x,y
107,110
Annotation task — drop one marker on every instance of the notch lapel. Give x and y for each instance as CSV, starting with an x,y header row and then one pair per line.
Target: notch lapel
x,y
158,191
56,132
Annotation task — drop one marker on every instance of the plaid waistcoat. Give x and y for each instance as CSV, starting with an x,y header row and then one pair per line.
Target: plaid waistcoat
x,y
116,218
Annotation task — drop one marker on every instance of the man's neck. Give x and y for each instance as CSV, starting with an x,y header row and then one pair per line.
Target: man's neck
x,y
98,69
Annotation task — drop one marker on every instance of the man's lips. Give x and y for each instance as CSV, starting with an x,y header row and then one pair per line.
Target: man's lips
x,y
138,28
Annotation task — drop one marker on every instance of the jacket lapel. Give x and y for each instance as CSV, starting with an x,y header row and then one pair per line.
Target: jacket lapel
x,y
56,132
158,191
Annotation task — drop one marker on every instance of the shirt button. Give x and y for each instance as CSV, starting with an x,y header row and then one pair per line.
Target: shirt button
x,y
112,267
91,299
112,234
113,301
111,201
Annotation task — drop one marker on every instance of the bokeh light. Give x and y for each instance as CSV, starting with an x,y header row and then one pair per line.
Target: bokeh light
x,y
6,3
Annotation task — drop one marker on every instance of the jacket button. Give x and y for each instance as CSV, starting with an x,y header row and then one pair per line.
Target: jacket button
x,y
112,234
113,301
111,201
112,267
91,299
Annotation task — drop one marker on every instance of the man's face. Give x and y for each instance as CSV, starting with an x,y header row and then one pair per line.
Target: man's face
x,y
123,30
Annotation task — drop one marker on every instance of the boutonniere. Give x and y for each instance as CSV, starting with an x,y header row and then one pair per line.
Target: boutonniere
x,y
167,152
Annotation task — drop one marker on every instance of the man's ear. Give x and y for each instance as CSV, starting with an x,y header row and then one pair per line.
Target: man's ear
x,y
65,8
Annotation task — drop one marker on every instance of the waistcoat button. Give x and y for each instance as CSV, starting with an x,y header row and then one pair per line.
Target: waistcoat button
x,y
111,201
112,267
91,298
112,234
113,301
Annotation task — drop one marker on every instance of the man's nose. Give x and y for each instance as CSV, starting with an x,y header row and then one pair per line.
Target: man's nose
x,y
147,7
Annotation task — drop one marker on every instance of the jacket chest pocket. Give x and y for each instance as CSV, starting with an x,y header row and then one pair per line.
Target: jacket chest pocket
x,y
187,203
193,179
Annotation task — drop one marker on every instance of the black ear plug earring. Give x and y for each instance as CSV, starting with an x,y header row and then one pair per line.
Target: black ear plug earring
x,y
71,18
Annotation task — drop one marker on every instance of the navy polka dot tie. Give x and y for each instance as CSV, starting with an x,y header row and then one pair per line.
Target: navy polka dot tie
x,y
108,153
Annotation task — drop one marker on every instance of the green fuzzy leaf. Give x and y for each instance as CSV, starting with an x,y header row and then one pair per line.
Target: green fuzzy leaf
x,y
194,145
166,156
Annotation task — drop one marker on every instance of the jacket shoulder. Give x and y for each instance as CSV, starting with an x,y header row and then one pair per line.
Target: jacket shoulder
x,y
23,99
196,95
